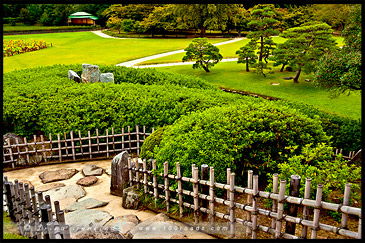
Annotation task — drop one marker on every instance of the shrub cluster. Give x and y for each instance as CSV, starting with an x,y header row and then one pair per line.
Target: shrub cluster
x,y
43,99
241,137
345,132
14,47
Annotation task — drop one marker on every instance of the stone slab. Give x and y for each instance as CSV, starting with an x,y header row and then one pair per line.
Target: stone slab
x,y
86,204
57,175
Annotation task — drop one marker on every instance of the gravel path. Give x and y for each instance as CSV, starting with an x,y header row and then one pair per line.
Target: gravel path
x,y
101,34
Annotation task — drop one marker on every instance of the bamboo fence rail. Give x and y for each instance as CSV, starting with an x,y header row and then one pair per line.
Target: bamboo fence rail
x,y
75,148
277,213
32,212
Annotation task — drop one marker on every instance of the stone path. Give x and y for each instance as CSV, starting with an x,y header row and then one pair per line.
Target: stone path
x,y
101,34
92,206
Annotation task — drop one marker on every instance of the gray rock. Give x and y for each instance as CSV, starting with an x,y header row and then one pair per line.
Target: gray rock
x,y
57,175
90,73
87,181
108,171
86,220
107,78
72,191
92,170
123,224
86,204
130,198
119,178
74,76
98,235
47,187
158,227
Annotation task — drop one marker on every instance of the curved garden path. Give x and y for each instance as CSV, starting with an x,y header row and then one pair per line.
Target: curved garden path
x,y
143,59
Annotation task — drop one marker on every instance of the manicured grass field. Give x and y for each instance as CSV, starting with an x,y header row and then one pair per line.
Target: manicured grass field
x,y
232,75
87,47
227,51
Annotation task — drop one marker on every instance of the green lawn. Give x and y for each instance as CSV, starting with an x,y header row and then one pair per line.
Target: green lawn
x,y
232,75
227,51
87,47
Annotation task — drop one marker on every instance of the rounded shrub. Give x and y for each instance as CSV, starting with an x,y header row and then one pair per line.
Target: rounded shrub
x,y
241,137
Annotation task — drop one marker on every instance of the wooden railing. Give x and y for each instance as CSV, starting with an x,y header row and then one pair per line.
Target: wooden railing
x,y
74,148
138,174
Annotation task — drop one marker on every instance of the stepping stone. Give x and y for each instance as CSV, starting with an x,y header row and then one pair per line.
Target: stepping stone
x,y
123,224
86,204
92,170
97,235
50,186
73,191
86,219
87,181
57,175
157,228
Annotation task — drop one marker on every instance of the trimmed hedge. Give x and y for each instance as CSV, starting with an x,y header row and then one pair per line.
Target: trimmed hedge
x,y
245,136
345,132
44,100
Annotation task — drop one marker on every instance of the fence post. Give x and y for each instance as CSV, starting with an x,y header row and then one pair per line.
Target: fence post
x,y
179,188
145,176
137,137
317,210
113,139
26,149
137,173
279,219
97,139
155,193
122,138
204,175
17,148
231,206
195,174
167,192
130,174
305,208
107,143
249,200
43,149
50,143
80,141
228,181
59,146
129,139
293,208
66,148
9,201
346,202
44,220
90,150
72,145
11,154
254,206
275,183
211,195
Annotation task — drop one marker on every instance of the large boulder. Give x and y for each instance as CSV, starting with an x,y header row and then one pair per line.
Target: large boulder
x,y
87,181
92,170
130,198
90,73
87,220
86,204
57,175
74,76
107,78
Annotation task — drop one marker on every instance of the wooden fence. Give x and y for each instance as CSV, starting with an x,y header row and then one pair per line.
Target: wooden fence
x,y
33,217
74,148
205,201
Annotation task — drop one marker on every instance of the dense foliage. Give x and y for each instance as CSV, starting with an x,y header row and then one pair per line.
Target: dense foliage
x,y
14,47
245,136
43,99
340,70
316,162
345,133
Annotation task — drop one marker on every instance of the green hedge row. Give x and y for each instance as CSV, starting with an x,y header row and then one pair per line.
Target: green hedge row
x,y
43,99
241,137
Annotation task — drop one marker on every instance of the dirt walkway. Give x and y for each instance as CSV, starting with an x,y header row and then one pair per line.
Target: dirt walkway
x,y
100,190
